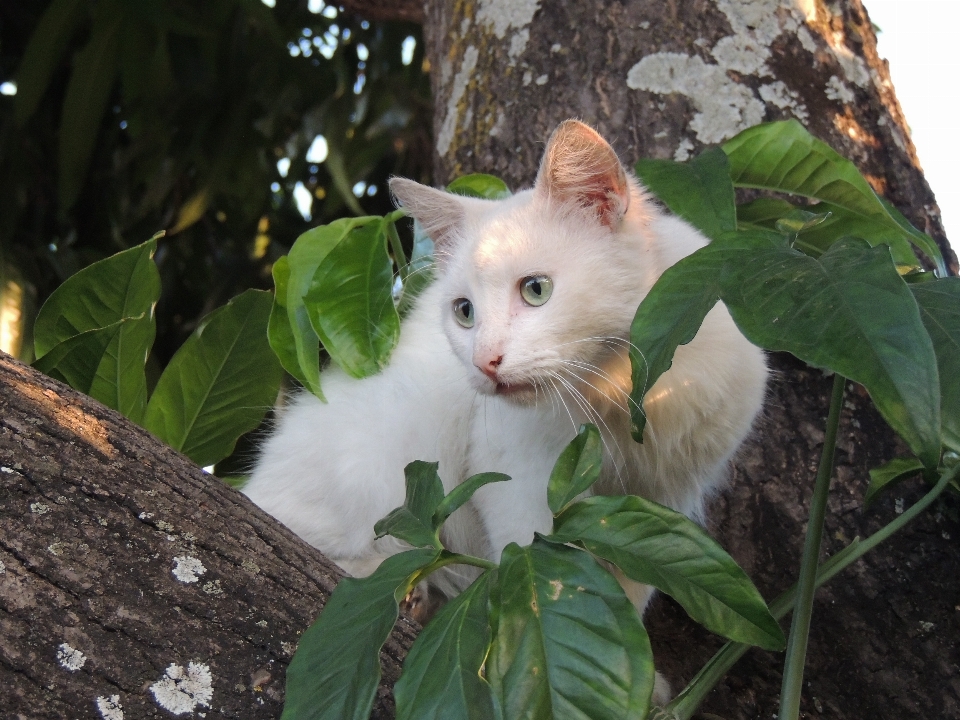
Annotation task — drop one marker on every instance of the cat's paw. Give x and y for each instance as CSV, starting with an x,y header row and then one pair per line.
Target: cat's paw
x,y
661,690
420,604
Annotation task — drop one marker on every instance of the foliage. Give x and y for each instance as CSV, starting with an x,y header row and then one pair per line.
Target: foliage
x,y
95,333
196,118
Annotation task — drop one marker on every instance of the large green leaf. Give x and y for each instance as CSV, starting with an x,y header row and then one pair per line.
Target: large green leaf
x,y
349,301
939,303
480,185
441,673
413,521
850,312
577,468
660,547
75,361
765,212
123,287
220,383
567,642
279,330
88,93
336,669
305,256
671,314
50,39
699,191
784,157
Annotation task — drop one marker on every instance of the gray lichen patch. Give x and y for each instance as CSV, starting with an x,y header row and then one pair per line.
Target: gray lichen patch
x,y
70,658
187,569
181,690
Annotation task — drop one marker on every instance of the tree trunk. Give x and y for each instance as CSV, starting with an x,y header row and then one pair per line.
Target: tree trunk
x,y
665,79
125,568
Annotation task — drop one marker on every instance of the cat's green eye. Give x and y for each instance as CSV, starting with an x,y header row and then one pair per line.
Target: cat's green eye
x,y
463,312
536,289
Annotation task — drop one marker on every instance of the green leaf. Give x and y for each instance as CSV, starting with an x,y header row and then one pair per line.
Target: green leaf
x,y
671,314
86,100
279,330
892,472
567,642
577,468
305,256
939,303
441,674
462,493
123,287
765,212
75,361
479,185
336,669
413,521
50,39
784,157
220,383
699,191
850,312
660,547
350,301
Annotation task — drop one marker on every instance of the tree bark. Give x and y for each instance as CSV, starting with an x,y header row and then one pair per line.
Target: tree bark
x,y
120,560
665,79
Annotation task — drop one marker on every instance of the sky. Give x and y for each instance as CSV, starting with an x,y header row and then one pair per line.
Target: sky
x,y
917,38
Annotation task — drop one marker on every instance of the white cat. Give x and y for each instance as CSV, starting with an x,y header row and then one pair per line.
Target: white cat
x,y
522,337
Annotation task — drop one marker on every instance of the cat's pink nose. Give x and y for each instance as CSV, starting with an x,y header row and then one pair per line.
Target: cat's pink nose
x,y
489,368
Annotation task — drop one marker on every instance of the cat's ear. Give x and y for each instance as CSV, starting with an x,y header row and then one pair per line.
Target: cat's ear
x,y
440,213
580,168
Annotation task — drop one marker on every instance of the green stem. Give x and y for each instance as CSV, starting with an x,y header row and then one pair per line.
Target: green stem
x,y
398,254
800,628
686,703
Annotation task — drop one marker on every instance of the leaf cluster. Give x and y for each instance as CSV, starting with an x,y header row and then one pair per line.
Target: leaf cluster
x,y
525,638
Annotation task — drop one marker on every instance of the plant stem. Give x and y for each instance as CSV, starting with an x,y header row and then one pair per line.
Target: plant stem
x,y
686,703
800,628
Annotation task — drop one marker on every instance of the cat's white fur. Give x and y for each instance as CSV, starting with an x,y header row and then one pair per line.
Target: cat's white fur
x,y
330,471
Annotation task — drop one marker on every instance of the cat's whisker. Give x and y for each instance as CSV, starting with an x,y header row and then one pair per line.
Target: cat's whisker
x,y
598,419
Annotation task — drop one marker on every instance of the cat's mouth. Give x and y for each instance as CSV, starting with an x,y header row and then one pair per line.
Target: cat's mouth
x,y
514,389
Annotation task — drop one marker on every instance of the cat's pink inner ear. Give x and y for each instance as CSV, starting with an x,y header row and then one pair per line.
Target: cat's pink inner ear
x,y
440,213
579,167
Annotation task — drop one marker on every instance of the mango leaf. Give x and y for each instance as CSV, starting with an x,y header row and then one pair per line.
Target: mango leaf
x,y
122,287
480,185
279,330
890,473
88,93
660,547
75,360
336,669
462,493
413,521
441,674
851,312
577,468
699,191
349,301
939,303
557,612
784,157
305,256
50,39
220,383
